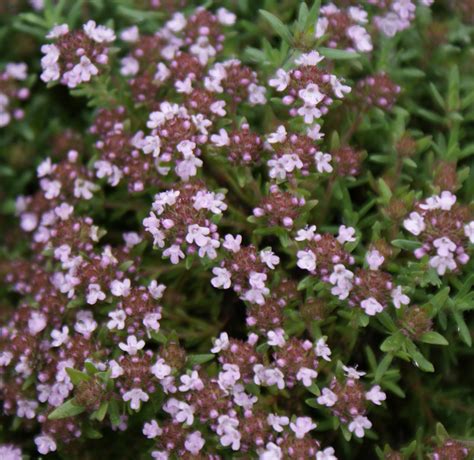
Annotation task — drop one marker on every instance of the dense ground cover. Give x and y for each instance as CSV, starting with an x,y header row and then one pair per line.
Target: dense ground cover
x,y
236,229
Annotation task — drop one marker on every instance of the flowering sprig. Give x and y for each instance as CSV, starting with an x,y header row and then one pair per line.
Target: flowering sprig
x,y
223,231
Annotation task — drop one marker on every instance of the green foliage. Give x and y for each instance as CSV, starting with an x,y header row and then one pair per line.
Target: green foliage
x,y
425,370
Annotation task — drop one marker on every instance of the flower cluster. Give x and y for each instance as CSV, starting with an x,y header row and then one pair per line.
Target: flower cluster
x,y
345,28
347,399
279,208
395,15
309,88
200,258
182,219
377,91
294,152
370,288
13,92
244,269
76,56
445,229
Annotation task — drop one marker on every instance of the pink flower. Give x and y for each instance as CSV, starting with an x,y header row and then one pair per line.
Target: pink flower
x,y
301,426
132,346
358,425
36,323
221,279
374,259
191,382
45,444
399,298
328,398
306,260
346,234
271,452
277,422
151,429
135,396
276,338
376,395
221,343
306,376
321,349
194,442
120,288
160,369
371,306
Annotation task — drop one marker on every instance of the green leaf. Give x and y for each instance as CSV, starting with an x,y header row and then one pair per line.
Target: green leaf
x,y
410,163
418,358
439,300
199,359
466,151
114,413
363,320
313,14
158,337
346,433
338,55
384,191
100,413
466,287
90,368
311,402
408,245
278,26
409,450
433,338
255,55
77,376
314,389
91,433
441,433
463,330
75,303
253,388
436,95
67,409
423,144
124,266
429,115
394,388
392,343
188,262
302,17
382,367
453,89
335,140
386,320
136,15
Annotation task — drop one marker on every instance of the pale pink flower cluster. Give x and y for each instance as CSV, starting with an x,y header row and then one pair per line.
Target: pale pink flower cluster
x,y
78,65
398,16
13,91
445,234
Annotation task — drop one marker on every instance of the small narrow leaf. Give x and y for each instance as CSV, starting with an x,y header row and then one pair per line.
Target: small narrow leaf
x,y
463,330
418,359
338,55
67,409
311,402
278,26
408,245
77,376
199,359
434,338
382,367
